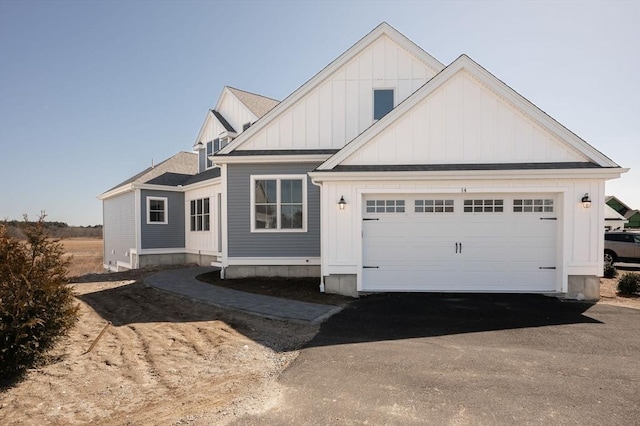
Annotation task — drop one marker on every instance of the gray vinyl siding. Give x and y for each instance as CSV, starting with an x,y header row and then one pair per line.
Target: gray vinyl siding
x,y
202,160
119,227
244,243
170,235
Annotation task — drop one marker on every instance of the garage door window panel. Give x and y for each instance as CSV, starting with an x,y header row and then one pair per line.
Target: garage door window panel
x,y
483,206
385,206
533,206
433,206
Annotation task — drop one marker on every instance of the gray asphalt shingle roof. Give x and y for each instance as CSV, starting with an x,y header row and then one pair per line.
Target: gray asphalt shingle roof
x,y
183,163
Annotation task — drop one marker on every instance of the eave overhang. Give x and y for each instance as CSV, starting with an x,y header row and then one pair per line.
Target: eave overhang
x,y
605,173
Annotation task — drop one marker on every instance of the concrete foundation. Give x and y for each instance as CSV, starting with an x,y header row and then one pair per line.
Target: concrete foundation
x,y
286,271
161,259
200,259
583,287
345,284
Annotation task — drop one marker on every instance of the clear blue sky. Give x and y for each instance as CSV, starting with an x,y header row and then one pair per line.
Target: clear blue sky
x,y
92,91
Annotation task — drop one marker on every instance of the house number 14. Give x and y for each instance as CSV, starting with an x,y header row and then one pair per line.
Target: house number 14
x,y
463,189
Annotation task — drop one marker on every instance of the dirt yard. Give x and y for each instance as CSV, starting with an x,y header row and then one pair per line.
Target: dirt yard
x,y
164,360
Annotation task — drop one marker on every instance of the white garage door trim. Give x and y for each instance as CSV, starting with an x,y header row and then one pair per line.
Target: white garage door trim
x,y
472,252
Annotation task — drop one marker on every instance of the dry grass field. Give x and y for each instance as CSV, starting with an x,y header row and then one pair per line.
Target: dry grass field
x,y
86,255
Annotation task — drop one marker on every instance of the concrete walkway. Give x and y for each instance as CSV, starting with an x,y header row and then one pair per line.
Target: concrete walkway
x,y
184,283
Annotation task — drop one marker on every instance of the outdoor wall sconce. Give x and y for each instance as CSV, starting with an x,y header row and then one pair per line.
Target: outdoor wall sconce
x,y
586,201
342,203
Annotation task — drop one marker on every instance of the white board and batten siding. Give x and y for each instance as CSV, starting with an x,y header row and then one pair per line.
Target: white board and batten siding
x,y
463,122
204,242
341,107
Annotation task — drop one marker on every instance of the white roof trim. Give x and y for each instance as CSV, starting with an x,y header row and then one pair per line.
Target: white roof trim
x,y
295,158
494,84
116,191
316,80
204,125
604,173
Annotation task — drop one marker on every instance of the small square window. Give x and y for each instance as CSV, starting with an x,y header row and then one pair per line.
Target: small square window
x,y
157,210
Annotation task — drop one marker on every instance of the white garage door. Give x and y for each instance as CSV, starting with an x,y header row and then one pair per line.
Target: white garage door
x,y
488,242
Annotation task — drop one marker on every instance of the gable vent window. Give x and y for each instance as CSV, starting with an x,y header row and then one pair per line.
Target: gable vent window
x,y
434,206
382,102
533,206
385,206
483,206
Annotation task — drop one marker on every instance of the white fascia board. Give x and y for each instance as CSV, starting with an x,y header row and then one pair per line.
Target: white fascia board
x,y
204,125
316,80
202,184
604,173
164,188
307,158
492,83
116,191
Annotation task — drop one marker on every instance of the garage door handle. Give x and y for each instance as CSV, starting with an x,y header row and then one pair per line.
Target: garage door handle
x,y
546,267
370,267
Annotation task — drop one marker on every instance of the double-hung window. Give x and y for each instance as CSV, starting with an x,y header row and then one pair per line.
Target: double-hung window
x,y
278,203
157,210
200,215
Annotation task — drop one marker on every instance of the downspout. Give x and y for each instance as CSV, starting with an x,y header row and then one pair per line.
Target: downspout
x,y
319,185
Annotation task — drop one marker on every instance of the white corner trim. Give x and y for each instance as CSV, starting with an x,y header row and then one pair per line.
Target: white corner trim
x,y
273,261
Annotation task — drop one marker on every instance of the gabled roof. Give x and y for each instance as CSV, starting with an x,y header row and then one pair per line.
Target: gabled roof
x,y
500,88
183,163
259,105
384,29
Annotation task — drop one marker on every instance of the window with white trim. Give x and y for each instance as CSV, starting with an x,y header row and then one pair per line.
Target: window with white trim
x,y
483,206
200,215
533,206
278,203
385,206
382,102
157,210
434,206
213,147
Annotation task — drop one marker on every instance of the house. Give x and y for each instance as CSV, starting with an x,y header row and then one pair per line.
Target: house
x,y
632,216
386,171
612,219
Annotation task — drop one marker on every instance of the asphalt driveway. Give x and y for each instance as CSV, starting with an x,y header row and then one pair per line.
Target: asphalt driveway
x,y
466,359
